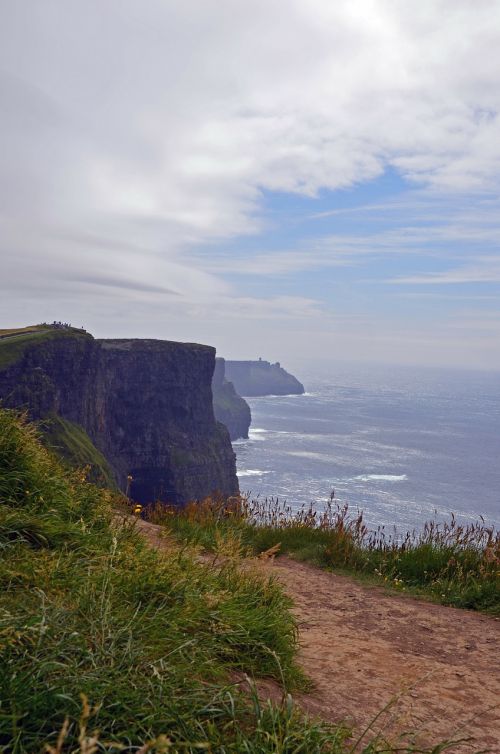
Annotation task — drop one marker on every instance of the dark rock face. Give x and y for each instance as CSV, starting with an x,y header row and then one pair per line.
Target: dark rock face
x,y
145,404
229,407
252,378
163,431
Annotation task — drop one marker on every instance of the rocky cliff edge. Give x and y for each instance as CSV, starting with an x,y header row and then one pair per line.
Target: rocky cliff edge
x,y
146,406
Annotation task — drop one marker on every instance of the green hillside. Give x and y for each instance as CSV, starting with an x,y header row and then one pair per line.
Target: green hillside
x,y
100,632
13,342
73,445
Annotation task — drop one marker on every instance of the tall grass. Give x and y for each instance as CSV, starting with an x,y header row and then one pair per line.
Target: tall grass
x,y
108,645
150,640
456,564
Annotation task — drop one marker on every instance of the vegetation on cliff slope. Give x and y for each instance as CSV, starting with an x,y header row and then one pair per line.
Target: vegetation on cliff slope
x,y
72,445
109,645
448,562
148,639
14,342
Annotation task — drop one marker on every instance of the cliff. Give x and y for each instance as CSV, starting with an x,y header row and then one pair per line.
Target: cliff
x,y
253,378
146,406
229,407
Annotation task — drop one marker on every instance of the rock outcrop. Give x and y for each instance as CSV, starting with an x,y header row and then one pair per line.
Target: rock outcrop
x,y
229,407
253,378
146,405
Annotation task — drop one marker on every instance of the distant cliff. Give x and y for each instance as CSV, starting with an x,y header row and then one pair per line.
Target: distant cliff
x,y
229,407
252,378
146,406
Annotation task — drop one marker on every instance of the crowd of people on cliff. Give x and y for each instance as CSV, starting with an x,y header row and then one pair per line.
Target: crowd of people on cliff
x,y
58,325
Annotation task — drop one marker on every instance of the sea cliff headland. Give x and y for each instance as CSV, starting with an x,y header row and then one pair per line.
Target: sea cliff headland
x,y
256,378
145,406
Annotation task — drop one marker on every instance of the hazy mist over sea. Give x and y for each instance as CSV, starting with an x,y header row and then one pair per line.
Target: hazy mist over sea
x,y
398,443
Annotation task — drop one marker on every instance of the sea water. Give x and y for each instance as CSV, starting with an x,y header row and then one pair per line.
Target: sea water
x,y
402,445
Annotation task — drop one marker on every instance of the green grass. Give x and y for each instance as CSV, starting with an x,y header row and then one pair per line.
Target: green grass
x,y
150,640
13,347
109,645
72,444
448,563
20,330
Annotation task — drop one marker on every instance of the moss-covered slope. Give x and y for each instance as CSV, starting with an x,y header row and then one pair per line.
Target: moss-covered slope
x,y
73,445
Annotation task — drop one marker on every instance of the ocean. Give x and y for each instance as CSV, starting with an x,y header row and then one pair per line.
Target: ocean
x,y
403,445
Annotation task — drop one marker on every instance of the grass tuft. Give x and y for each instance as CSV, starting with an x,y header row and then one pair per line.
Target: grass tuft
x,y
449,562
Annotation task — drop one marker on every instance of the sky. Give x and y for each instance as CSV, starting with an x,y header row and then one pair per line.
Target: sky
x,y
302,180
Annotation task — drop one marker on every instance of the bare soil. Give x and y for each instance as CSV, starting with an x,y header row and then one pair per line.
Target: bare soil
x,y
362,648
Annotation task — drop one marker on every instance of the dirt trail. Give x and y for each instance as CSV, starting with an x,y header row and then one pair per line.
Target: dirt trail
x,y
362,647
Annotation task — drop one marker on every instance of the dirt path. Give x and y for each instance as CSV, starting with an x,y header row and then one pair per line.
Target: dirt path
x,y
362,647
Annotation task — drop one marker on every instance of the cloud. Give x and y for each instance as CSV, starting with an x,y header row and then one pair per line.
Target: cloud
x,y
129,285
485,270
136,137
185,111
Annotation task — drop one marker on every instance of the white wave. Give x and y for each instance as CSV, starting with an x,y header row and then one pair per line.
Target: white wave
x,y
381,478
306,454
313,455
257,434
251,472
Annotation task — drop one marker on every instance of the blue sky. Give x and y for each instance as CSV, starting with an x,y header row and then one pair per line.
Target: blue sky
x,y
293,179
386,254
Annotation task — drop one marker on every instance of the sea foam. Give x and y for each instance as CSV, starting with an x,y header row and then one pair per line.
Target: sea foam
x,y
251,472
381,477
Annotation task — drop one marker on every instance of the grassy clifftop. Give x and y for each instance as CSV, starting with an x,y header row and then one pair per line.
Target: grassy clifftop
x,y
13,342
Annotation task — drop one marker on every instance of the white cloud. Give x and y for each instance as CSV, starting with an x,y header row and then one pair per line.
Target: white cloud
x,y
132,133
484,270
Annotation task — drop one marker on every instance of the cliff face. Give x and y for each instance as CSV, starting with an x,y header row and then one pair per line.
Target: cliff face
x,y
253,378
229,407
163,431
146,405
